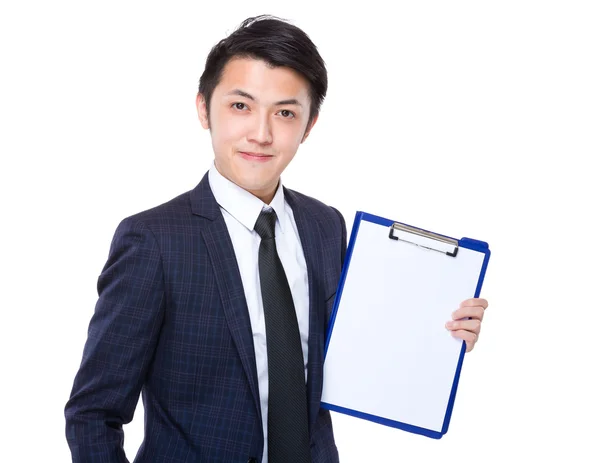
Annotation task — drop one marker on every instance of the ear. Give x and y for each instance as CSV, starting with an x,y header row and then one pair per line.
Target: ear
x,y
202,111
309,128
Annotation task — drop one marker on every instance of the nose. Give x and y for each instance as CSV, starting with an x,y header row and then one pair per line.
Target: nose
x,y
261,132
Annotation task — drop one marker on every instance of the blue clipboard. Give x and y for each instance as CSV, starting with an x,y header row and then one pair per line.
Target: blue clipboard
x,y
475,253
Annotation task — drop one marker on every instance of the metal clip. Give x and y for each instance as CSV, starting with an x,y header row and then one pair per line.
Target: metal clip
x,y
428,235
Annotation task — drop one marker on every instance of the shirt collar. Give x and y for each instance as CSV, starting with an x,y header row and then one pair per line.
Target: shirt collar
x,y
241,204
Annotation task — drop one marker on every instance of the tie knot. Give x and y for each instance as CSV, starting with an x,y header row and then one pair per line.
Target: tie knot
x,y
265,224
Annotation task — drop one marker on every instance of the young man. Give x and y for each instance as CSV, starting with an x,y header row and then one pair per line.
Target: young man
x,y
214,305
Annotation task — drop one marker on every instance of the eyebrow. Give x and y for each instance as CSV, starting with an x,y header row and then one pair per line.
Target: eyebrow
x,y
237,91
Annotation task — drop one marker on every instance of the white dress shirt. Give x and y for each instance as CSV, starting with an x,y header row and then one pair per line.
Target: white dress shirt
x,y
240,210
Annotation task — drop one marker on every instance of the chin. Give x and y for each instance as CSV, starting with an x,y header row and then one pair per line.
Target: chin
x,y
257,186
252,183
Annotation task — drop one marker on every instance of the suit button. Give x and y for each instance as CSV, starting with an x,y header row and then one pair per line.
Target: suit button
x,y
252,460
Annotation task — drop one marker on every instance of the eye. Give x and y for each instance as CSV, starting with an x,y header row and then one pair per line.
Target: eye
x,y
287,114
239,106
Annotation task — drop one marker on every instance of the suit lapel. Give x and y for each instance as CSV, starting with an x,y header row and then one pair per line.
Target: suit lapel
x,y
231,290
228,279
311,240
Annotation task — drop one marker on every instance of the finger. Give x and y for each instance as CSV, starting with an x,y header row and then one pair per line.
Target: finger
x,y
475,301
468,336
472,325
469,312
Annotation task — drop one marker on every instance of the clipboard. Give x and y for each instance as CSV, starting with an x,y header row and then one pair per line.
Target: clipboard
x,y
388,356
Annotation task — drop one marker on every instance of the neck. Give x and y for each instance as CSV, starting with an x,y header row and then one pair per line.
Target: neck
x,y
265,197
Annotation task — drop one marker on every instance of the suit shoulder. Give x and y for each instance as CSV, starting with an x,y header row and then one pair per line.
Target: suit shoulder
x,y
172,211
311,203
321,212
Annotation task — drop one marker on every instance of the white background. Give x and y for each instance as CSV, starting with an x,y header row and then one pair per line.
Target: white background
x,y
469,118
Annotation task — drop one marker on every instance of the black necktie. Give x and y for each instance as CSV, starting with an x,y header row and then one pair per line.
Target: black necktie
x,y
287,426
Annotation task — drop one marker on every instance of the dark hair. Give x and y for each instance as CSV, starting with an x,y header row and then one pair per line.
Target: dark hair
x,y
275,42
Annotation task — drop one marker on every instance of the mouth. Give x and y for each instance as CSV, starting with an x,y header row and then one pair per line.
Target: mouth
x,y
256,157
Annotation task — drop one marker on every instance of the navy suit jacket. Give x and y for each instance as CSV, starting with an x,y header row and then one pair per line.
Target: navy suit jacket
x,y
171,321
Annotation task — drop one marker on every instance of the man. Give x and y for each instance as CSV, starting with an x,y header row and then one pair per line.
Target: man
x,y
214,305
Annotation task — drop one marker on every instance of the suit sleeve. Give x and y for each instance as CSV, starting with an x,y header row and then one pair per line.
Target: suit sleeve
x,y
120,345
344,245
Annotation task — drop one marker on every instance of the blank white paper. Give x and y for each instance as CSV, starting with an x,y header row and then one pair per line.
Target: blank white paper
x,y
390,354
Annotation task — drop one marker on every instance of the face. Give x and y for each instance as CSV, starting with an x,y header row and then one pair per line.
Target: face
x,y
258,118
